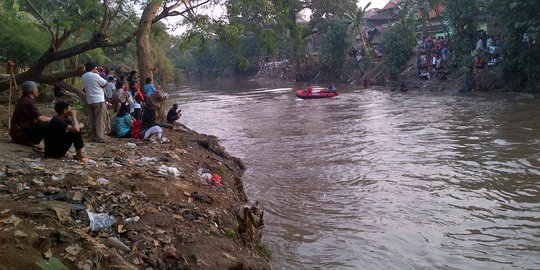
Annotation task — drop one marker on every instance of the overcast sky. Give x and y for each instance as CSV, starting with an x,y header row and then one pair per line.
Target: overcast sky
x,y
217,11
374,3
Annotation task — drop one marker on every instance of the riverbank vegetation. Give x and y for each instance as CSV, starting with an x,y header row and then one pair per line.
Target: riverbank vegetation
x,y
306,40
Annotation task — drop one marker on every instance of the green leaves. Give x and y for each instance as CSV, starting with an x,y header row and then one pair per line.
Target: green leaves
x,y
334,47
397,46
53,264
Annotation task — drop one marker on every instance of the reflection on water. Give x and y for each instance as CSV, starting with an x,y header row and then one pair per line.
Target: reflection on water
x,y
383,180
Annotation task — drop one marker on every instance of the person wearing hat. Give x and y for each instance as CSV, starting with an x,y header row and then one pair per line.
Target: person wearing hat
x,y
28,125
95,97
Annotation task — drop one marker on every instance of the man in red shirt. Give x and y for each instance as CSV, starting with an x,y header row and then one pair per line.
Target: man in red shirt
x,y
27,124
309,89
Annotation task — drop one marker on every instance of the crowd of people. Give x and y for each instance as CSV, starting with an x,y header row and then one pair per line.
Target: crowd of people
x,y
432,58
133,111
486,50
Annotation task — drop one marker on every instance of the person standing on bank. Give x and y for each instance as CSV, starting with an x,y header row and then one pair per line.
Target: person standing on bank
x,y
63,131
95,97
27,124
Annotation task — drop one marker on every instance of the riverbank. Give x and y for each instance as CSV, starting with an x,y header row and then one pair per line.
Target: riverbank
x,y
159,213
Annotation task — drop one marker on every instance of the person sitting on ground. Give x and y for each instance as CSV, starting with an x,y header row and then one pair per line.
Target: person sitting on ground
x,y
149,88
27,126
309,89
63,131
403,87
332,88
173,114
150,126
123,121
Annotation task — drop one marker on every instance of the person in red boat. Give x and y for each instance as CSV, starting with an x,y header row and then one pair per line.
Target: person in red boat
x,y
309,89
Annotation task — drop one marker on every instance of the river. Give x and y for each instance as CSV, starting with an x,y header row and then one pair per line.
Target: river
x,y
383,180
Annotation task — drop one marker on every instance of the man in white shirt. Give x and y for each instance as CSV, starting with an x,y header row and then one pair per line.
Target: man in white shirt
x,y
95,97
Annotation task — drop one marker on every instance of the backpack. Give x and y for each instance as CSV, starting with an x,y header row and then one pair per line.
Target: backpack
x,y
135,130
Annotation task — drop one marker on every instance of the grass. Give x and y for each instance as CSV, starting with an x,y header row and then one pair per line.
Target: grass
x,y
264,250
230,232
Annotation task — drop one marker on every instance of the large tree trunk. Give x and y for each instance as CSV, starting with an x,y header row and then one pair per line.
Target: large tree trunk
x,y
144,53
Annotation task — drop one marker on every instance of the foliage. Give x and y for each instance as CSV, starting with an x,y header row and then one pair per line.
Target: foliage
x,y
397,46
356,24
334,48
521,63
22,38
230,232
53,264
264,250
462,17
324,9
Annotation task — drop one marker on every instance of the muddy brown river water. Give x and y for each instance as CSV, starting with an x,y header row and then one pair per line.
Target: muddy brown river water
x,y
383,180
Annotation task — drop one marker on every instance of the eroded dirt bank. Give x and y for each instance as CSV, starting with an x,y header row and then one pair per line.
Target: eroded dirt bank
x,y
156,219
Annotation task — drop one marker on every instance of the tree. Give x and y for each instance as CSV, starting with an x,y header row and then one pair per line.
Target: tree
x,y
69,22
356,24
150,16
521,63
334,47
397,45
77,27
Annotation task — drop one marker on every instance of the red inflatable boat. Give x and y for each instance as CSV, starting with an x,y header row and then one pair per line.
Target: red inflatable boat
x,y
323,94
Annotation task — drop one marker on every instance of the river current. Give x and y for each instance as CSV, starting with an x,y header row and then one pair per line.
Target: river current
x,y
376,179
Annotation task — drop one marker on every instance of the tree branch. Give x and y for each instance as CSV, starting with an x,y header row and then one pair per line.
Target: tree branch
x,y
169,12
70,88
53,36
105,22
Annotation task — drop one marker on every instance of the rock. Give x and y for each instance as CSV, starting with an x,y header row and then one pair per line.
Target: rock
x,y
201,197
86,265
77,196
73,250
102,181
19,233
12,220
116,243
38,182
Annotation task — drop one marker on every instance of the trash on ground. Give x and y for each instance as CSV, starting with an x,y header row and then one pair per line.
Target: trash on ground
x,y
116,243
168,171
201,197
131,145
132,219
102,181
58,177
216,179
100,221
145,160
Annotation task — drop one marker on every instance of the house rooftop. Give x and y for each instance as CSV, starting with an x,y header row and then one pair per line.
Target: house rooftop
x,y
391,4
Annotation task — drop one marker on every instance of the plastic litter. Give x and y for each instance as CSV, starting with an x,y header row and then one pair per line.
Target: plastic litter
x,y
145,160
100,221
206,177
57,177
216,179
102,181
132,219
91,162
168,171
131,145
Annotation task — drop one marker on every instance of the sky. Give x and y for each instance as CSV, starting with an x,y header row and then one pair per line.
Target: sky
x,y
374,3
218,11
